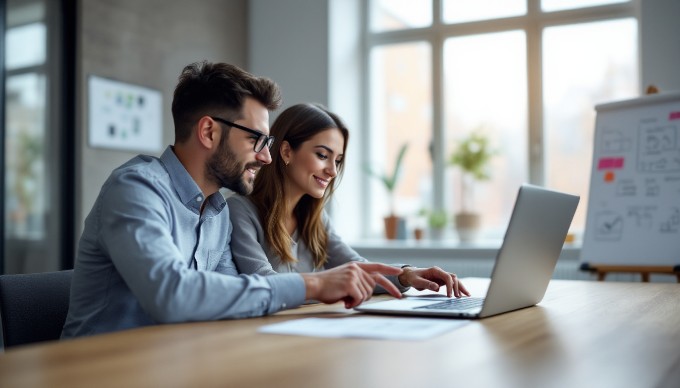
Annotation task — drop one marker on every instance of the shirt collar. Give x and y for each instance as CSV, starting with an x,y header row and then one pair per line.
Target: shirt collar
x,y
185,186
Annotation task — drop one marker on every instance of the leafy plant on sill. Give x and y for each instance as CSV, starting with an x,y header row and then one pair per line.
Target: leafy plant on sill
x,y
472,155
436,219
390,181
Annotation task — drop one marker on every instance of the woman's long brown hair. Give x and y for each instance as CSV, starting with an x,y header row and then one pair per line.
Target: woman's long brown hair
x,y
295,125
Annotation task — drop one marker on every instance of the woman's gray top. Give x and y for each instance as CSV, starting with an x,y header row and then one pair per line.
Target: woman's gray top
x,y
252,254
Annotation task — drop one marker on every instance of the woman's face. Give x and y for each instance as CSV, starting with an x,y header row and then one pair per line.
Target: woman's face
x,y
314,164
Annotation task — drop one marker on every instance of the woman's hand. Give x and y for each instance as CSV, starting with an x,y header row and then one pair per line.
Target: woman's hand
x,y
352,283
431,279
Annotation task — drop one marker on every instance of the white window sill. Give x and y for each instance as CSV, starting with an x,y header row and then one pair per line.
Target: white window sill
x,y
471,259
380,249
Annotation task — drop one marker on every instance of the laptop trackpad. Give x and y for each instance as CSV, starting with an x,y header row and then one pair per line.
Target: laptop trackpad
x,y
399,304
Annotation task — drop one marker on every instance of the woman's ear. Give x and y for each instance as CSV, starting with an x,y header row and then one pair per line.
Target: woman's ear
x,y
286,152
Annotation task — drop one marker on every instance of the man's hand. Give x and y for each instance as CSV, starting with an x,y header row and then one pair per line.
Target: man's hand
x,y
431,279
352,283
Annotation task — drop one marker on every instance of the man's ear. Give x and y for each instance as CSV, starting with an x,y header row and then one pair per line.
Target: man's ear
x,y
208,132
286,151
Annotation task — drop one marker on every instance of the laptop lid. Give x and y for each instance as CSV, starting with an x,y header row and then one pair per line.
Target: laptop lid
x,y
531,247
524,264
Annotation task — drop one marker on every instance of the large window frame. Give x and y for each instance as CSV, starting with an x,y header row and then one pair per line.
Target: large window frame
x,y
59,69
533,23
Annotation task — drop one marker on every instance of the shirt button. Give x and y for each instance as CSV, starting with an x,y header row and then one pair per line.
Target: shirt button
x,y
283,305
199,198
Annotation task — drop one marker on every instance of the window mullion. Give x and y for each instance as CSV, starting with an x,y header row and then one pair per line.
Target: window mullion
x,y
364,136
438,132
534,69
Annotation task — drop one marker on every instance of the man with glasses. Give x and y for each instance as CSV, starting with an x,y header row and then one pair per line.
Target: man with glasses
x,y
156,244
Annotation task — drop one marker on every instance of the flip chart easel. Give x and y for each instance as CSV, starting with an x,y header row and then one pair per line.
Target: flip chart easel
x,y
633,219
643,270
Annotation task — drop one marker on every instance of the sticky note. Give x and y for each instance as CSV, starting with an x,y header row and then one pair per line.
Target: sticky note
x,y
610,163
609,176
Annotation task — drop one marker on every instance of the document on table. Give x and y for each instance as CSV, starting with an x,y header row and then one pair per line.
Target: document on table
x,y
365,327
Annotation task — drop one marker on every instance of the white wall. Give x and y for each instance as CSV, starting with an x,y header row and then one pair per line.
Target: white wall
x,y
311,48
660,42
288,42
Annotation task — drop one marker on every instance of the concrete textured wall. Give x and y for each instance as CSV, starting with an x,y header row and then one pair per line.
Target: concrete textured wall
x,y
147,43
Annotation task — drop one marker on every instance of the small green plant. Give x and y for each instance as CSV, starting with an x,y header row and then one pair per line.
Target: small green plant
x,y
390,181
437,219
472,155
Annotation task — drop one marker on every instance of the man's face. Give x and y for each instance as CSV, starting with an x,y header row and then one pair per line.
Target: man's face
x,y
235,163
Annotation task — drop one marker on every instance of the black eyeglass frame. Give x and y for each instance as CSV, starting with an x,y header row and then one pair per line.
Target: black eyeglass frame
x,y
262,139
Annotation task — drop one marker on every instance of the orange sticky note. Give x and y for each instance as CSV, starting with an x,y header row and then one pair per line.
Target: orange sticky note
x,y
609,176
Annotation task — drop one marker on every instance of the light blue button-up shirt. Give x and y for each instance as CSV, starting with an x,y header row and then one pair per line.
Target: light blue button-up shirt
x,y
148,255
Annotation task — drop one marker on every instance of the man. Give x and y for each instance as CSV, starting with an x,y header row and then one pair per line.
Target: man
x,y
155,247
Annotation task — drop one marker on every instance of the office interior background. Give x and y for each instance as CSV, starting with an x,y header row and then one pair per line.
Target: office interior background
x,y
528,73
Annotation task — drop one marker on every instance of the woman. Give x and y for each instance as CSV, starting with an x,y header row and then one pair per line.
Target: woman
x,y
282,226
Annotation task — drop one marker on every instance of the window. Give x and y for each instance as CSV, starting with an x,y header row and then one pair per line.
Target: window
x,y
525,73
38,173
26,137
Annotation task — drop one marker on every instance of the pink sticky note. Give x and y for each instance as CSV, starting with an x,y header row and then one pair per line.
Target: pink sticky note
x,y
609,163
674,116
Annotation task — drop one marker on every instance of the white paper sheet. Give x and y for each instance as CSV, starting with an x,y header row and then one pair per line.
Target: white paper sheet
x,y
365,327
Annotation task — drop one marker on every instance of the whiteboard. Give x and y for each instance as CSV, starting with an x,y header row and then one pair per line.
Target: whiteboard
x,y
124,116
634,206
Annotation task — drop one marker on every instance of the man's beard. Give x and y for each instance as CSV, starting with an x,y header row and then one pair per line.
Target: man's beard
x,y
224,169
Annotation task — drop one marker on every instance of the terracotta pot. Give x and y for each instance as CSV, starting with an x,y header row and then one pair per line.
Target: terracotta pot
x,y
391,226
468,226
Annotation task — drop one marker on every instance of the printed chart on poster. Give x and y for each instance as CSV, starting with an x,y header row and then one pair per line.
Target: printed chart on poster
x,y
123,116
634,206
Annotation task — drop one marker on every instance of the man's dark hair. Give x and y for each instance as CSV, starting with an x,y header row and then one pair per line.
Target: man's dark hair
x,y
207,89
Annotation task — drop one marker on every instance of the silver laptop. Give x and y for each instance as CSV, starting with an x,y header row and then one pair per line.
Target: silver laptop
x,y
524,265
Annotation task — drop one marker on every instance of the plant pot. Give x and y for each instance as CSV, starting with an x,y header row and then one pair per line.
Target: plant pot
x,y
436,234
391,226
468,226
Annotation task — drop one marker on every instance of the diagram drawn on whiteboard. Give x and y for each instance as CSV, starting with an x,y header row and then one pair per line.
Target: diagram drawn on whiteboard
x,y
626,188
659,149
609,226
672,223
614,141
652,187
643,216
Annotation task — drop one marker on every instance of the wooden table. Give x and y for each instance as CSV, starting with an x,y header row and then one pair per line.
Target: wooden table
x,y
583,334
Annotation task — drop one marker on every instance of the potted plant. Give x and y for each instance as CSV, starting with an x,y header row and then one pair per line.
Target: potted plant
x,y
390,182
437,220
472,155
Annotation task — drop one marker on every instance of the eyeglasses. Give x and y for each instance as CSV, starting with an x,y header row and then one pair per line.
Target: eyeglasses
x,y
262,139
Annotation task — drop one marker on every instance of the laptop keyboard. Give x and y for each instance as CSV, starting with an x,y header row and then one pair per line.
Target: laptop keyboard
x,y
455,304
